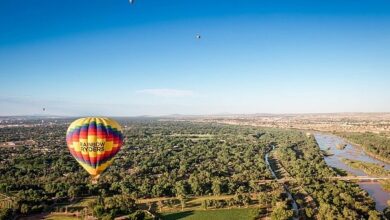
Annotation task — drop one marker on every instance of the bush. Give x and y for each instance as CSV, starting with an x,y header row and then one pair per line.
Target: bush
x,y
386,212
137,215
98,210
5,214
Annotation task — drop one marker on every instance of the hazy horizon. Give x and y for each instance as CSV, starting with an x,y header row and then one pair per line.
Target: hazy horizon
x,y
254,57
201,115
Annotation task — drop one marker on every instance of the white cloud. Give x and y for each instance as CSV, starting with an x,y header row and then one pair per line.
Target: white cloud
x,y
167,92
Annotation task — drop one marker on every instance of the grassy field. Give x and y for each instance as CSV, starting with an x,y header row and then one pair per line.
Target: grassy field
x,y
48,216
222,214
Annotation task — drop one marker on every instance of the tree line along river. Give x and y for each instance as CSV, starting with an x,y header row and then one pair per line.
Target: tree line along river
x,y
329,142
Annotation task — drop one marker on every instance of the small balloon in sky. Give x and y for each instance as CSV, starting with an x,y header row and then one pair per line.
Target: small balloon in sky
x,y
198,36
94,142
131,1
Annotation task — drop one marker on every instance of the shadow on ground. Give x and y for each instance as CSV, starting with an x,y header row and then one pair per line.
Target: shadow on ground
x,y
178,215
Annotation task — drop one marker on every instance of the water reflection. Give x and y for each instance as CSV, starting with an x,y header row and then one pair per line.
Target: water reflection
x,y
376,192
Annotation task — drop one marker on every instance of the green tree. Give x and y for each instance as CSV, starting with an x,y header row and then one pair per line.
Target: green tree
x,y
5,214
195,185
24,208
262,198
216,187
374,215
246,199
122,203
73,192
281,212
204,204
350,214
98,210
180,188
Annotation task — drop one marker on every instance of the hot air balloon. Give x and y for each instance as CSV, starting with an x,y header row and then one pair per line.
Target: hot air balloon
x,y
94,142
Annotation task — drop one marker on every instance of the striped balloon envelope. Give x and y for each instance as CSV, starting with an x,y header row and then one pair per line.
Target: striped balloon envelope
x,y
94,142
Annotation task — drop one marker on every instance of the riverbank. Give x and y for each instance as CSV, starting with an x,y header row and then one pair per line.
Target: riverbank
x,y
361,146
377,190
345,142
368,152
370,169
326,153
373,155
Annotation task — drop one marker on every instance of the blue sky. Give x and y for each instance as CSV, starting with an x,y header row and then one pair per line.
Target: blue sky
x,y
112,58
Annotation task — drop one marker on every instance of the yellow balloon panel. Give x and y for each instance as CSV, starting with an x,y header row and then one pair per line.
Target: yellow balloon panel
x,y
94,142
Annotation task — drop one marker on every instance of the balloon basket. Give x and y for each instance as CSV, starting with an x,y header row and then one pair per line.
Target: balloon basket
x,y
95,179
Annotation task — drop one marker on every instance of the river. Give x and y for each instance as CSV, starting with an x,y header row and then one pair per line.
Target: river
x,y
329,142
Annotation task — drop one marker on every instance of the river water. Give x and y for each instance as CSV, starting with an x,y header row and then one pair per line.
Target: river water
x,y
329,142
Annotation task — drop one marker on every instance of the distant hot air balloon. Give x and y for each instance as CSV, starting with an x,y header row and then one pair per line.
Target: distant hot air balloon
x,y
94,142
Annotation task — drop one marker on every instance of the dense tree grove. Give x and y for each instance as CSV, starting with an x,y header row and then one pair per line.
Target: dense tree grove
x,y
167,159
158,159
377,145
170,159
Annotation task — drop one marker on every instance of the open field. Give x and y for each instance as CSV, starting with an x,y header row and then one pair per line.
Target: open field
x,y
47,216
60,217
225,214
